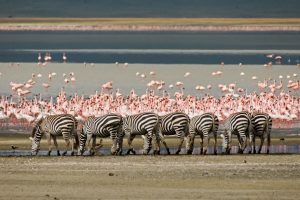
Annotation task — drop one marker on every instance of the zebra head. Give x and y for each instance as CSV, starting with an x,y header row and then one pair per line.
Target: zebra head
x,y
225,142
37,134
82,141
189,144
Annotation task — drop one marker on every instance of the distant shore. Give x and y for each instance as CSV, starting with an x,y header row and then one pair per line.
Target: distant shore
x,y
150,24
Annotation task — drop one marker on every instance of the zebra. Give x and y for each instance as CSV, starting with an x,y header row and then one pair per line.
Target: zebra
x,y
104,126
239,124
262,125
139,124
173,124
52,126
202,125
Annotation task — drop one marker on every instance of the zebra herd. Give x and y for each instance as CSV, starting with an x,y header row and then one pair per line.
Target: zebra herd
x,y
153,129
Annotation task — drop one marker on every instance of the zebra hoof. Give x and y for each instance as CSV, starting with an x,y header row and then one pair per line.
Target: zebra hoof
x,y
128,151
58,153
249,152
48,153
133,151
156,152
64,153
215,153
72,153
204,152
189,152
177,152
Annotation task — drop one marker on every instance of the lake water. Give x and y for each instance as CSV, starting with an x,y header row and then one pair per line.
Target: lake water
x,y
151,47
149,8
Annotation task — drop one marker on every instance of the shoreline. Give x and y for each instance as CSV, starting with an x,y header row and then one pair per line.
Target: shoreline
x,y
151,24
143,28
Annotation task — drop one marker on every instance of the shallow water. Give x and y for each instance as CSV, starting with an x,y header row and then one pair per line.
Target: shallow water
x,y
90,78
274,149
151,47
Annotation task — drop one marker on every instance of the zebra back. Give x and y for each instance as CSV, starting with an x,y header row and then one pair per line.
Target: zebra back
x,y
140,123
206,122
174,120
238,121
262,123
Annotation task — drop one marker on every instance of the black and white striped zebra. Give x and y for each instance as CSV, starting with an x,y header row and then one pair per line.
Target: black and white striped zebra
x,y
239,124
52,126
108,125
173,124
262,125
140,124
202,125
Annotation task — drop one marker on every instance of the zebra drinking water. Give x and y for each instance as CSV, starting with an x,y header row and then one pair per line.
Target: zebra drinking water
x,y
108,125
239,124
202,125
52,126
262,125
140,124
173,124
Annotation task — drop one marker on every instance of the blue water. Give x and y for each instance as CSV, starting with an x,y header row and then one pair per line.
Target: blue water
x,y
151,47
149,8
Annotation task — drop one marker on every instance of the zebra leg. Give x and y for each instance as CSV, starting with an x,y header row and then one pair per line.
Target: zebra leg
x,y
205,142
180,134
156,140
130,148
190,143
49,143
262,139
147,143
268,142
201,144
250,143
119,143
215,143
92,147
113,149
229,140
162,138
243,144
253,145
56,145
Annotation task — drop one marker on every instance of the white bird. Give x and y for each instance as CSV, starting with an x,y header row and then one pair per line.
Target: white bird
x,y
242,73
254,77
152,73
39,75
143,76
137,73
187,74
171,86
64,57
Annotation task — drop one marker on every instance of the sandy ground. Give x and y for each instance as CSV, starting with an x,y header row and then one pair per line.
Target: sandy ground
x,y
151,177
147,177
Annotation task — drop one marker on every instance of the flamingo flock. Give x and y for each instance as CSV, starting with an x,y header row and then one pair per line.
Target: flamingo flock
x,y
277,99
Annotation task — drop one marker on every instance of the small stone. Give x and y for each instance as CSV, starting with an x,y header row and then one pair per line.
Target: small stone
x,y
245,161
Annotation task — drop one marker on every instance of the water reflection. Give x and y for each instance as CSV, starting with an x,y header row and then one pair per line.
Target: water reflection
x,y
274,149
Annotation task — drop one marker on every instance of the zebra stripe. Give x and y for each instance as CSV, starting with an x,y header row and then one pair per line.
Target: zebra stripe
x,y
105,126
262,125
240,125
139,124
52,126
173,124
203,126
